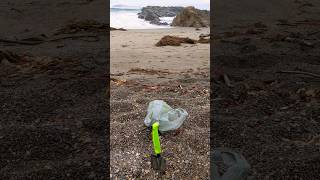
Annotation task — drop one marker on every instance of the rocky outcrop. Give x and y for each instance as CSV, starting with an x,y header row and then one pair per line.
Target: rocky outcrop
x,y
153,13
192,17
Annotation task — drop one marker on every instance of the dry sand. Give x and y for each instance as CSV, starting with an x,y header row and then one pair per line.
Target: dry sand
x,y
178,75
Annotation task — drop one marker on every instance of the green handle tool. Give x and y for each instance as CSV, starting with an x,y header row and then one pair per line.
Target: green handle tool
x,y
157,162
155,138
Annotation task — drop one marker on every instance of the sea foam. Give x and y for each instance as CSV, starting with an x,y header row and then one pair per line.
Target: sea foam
x,y
128,19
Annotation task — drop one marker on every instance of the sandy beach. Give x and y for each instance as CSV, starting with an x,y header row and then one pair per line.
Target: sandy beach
x,y
136,49
178,75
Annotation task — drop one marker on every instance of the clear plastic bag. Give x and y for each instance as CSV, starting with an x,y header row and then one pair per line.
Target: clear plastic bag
x,y
169,118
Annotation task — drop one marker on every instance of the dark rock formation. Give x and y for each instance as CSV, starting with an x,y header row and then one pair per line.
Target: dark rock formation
x,y
153,13
192,17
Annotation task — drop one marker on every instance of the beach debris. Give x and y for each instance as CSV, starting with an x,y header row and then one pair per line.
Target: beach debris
x,y
168,118
174,41
161,117
118,82
86,25
192,17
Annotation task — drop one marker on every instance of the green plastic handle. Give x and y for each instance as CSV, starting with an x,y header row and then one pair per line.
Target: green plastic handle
x,y
155,138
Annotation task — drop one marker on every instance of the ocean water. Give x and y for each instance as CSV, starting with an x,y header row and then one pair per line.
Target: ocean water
x,y
128,19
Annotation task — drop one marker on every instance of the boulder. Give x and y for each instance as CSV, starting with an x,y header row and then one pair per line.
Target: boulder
x,y
153,13
192,17
148,15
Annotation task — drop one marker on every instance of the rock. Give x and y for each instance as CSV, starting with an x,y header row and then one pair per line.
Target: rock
x,y
192,17
153,13
174,41
148,15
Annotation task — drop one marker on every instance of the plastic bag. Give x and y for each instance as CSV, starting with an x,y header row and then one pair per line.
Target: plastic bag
x,y
169,118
